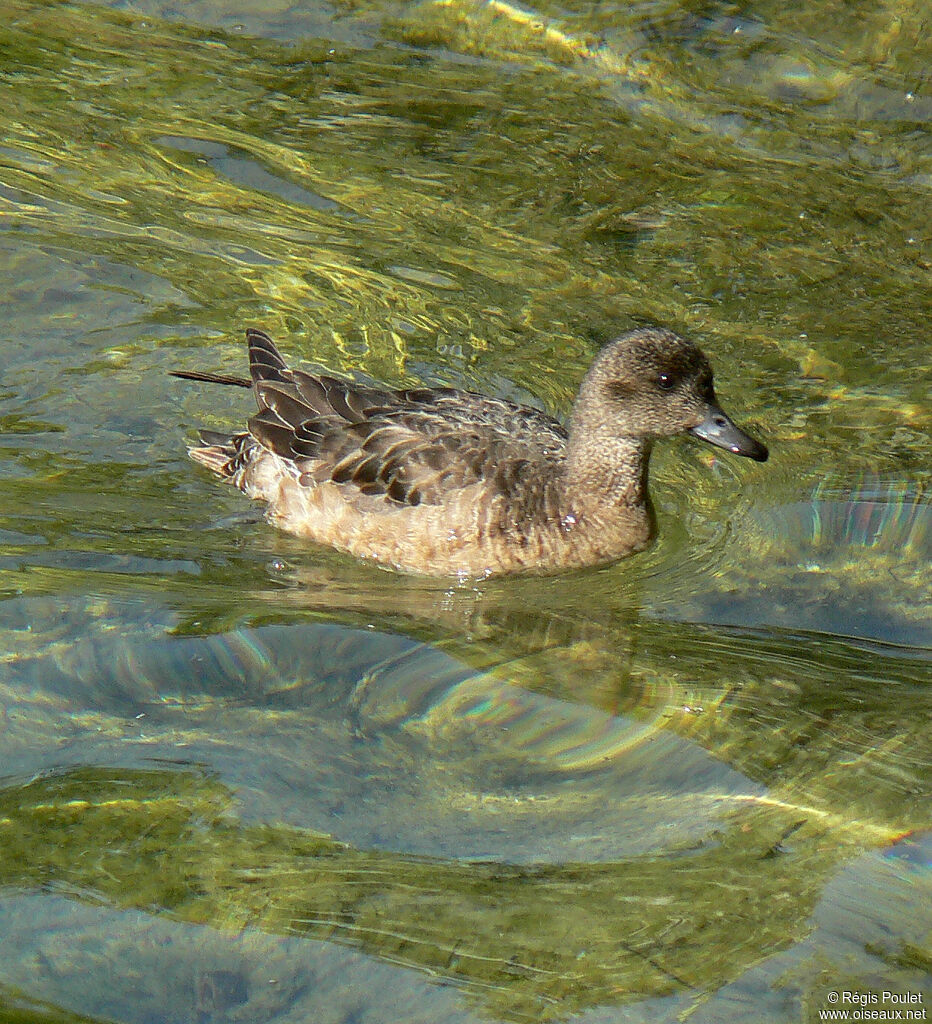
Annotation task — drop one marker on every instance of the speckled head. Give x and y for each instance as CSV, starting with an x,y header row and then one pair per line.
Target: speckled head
x,y
651,383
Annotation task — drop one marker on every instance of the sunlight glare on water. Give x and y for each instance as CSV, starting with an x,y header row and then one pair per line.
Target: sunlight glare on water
x,y
247,778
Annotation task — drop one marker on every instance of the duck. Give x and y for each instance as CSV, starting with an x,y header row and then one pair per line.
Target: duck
x,y
443,482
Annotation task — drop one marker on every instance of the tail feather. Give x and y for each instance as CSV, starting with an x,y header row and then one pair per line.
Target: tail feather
x,y
211,378
216,457
214,437
265,361
224,454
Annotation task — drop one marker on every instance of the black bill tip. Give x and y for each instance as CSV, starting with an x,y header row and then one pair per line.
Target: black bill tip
x,y
718,429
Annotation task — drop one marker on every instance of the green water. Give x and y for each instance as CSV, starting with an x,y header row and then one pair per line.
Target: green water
x,y
245,779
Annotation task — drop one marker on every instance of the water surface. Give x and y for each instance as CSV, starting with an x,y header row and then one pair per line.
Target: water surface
x,y
248,779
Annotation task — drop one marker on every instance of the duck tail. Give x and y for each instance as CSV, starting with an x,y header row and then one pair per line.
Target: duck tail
x,y
218,452
211,378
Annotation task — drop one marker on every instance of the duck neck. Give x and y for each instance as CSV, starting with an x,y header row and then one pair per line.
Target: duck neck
x,y
607,474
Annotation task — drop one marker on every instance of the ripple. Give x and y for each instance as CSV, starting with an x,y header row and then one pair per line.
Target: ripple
x,y
243,169
869,513
559,734
375,739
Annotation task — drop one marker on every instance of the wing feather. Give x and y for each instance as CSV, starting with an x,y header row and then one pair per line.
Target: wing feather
x,y
410,446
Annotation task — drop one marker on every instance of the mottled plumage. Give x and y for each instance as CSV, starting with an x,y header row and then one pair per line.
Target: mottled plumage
x,y
440,481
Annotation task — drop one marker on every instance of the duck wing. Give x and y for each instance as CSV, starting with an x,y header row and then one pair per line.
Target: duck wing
x,y
410,446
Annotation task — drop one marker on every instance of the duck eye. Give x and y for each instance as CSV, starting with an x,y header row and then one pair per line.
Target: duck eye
x,y
666,382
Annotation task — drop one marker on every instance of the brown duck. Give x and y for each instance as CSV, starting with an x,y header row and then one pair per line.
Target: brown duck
x,y
446,482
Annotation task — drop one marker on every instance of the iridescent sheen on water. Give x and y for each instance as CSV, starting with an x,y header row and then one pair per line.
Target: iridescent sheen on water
x,y
245,778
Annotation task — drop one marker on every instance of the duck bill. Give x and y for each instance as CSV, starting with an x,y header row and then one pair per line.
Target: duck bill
x,y
718,429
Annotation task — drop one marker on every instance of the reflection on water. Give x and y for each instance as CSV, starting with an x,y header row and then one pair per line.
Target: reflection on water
x,y
848,558
860,516
242,170
374,738
370,788
275,784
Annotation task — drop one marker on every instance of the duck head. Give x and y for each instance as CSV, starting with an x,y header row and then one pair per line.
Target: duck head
x,y
651,383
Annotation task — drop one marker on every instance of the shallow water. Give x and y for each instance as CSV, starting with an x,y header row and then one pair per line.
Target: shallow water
x,y
247,779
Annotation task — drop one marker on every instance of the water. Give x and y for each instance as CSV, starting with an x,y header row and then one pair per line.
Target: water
x,y
247,779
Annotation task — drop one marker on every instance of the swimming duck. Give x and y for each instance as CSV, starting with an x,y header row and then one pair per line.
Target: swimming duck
x,y
438,481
